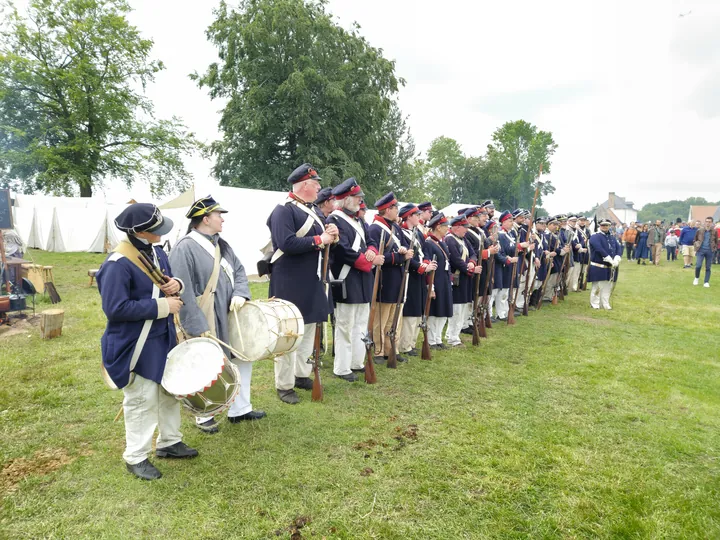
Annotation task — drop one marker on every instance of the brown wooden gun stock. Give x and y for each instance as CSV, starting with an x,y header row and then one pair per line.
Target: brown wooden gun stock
x,y
370,376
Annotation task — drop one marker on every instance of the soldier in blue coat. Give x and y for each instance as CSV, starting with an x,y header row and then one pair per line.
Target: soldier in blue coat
x,y
351,272
385,225
325,203
504,261
605,258
540,261
299,237
416,291
441,306
139,335
463,264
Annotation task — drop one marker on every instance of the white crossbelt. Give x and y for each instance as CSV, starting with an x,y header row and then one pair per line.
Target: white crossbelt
x,y
356,245
302,232
207,245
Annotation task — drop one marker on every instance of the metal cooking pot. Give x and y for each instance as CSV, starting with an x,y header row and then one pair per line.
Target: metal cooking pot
x,y
17,302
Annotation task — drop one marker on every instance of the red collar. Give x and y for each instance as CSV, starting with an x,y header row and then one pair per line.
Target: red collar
x,y
382,220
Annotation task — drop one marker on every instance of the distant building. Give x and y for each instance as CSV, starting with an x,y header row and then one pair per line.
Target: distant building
x,y
699,213
616,209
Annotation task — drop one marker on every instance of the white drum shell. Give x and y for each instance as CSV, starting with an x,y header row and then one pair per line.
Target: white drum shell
x,y
265,329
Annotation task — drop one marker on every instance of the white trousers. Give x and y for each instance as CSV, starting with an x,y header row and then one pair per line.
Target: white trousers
x,y
491,302
600,294
295,364
147,406
435,328
573,276
455,324
501,303
350,327
529,274
409,334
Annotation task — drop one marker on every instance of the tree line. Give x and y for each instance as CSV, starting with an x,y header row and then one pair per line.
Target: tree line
x,y
298,88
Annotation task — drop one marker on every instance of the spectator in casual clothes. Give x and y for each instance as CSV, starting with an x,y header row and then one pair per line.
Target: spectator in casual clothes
x,y
671,244
687,237
706,243
641,245
629,238
656,238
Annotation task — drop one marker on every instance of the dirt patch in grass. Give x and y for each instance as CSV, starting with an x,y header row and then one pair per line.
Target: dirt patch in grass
x,y
294,528
20,326
42,462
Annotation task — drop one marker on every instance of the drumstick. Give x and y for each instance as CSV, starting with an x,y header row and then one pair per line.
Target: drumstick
x,y
237,322
221,342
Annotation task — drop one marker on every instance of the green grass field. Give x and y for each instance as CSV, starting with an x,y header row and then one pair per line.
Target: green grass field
x,y
573,423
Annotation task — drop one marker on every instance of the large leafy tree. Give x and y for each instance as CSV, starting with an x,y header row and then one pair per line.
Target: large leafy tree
x,y
513,161
300,89
71,113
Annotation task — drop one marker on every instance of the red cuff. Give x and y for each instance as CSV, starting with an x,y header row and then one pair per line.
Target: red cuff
x,y
485,254
421,269
317,240
373,249
362,264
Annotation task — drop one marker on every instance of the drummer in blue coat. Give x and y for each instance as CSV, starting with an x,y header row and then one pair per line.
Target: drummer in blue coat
x,y
605,258
385,225
139,335
299,237
504,260
441,306
416,291
353,259
463,264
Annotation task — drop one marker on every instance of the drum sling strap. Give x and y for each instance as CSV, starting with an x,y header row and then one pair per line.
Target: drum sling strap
x,y
131,253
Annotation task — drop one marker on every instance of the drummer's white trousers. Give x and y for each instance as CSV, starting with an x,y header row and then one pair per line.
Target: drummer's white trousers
x,y
350,327
147,406
295,364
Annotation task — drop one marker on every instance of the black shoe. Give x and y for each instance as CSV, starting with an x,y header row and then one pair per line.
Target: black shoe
x,y
439,347
518,313
401,358
501,319
350,377
252,415
178,450
494,319
288,396
380,359
412,352
467,330
209,427
144,470
303,383
358,370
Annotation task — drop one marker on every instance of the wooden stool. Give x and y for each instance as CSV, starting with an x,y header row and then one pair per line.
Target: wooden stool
x,y
92,273
48,274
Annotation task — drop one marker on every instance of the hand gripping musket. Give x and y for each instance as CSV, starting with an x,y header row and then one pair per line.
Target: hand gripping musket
x,y
426,354
370,376
511,305
562,283
317,389
477,321
392,333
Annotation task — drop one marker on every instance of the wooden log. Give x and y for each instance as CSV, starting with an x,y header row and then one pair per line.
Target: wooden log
x,y
51,321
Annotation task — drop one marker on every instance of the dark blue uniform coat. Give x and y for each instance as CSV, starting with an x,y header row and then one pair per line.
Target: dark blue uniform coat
x,y
394,265
503,269
417,284
463,293
442,304
127,301
359,280
295,275
602,245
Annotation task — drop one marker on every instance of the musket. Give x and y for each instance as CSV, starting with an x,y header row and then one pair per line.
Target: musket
x,y
548,268
392,333
317,389
426,354
529,234
370,376
562,288
477,321
511,306
489,284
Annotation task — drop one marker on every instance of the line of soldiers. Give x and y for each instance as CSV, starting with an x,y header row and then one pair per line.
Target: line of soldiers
x,y
484,270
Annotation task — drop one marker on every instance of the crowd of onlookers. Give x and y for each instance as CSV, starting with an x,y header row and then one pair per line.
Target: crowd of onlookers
x,y
697,240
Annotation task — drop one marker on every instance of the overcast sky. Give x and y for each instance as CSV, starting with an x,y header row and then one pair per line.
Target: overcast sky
x,y
630,89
